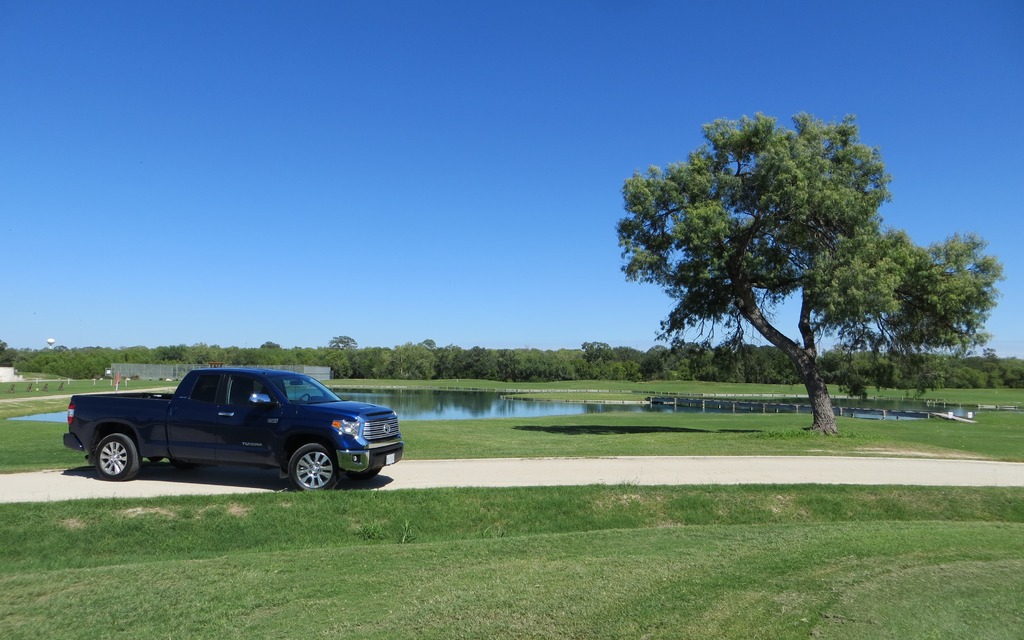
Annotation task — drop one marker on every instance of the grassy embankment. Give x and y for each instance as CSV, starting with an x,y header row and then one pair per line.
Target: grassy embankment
x,y
576,562
580,562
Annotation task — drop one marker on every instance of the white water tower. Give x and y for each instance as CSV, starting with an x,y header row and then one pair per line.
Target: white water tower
x,y
50,342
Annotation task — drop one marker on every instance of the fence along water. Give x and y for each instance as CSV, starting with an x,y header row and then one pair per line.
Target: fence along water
x,y
176,371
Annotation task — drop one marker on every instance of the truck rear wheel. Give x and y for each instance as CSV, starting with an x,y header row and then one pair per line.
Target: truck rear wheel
x,y
312,467
117,458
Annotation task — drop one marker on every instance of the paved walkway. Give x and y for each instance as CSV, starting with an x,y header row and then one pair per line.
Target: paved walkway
x,y
162,479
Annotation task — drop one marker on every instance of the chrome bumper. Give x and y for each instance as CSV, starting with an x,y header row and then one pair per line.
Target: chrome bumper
x,y
374,456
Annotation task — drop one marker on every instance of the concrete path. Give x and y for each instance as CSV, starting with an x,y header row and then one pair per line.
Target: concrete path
x,y
163,480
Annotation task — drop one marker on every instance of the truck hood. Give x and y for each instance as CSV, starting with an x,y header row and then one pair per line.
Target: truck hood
x,y
347,409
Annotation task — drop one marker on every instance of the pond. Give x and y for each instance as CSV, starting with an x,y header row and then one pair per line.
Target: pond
x,y
426,404
59,416
429,404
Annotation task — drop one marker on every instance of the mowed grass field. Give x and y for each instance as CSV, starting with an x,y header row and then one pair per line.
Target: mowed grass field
x,y
572,562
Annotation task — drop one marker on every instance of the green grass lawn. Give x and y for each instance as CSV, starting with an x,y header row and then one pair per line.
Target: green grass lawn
x,y
569,562
998,436
34,387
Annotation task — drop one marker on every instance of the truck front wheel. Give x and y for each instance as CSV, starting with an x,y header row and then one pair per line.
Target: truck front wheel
x,y
313,466
117,458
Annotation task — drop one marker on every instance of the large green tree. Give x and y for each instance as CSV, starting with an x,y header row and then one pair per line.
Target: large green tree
x,y
343,342
761,214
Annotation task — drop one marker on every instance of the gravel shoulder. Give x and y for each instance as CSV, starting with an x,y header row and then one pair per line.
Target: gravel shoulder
x,y
164,480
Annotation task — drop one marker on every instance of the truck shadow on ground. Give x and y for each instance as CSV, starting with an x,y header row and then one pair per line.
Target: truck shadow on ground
x,y
226,476
606,430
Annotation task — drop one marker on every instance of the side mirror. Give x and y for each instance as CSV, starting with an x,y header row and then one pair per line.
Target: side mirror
x,y
261,398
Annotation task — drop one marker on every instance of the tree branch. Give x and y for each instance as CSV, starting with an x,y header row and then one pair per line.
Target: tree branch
x,y
806,330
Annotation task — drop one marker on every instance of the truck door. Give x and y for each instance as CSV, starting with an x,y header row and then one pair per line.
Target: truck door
x,y
189,419
245,432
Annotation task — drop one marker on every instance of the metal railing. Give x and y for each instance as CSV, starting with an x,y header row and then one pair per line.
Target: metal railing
x,y
177,371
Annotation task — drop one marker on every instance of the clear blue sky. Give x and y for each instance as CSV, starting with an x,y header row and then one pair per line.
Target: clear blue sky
x,y
237,172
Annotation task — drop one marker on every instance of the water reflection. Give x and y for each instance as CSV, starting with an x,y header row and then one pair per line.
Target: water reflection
x,y
428,404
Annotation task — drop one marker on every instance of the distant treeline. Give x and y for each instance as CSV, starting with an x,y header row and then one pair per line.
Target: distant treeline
x,y
856,373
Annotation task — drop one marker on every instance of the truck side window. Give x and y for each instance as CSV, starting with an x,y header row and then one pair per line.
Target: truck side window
x,y
297,390
241,388
206,388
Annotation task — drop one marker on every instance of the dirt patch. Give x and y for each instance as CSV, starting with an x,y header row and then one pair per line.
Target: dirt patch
x,y
233,509
626,499
73,524
784,504
146,511
239,511
781,503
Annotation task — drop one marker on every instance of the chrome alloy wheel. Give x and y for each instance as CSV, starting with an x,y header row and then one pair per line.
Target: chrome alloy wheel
x,y
314,470
113,457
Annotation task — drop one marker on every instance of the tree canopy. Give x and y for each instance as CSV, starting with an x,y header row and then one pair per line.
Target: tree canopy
x,y
343,342
723,363
761,214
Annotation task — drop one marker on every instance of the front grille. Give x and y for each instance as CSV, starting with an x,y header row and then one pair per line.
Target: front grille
x,y
384,428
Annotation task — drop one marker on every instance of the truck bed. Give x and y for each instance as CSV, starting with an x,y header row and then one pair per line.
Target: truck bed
x,y
158,395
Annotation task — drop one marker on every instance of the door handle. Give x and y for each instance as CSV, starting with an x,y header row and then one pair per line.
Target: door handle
x,y
226,414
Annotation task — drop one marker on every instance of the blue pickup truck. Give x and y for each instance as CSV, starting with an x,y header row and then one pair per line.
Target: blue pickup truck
x,y
234,416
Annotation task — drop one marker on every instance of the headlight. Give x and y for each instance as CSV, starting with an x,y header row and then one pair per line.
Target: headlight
x,y
348,427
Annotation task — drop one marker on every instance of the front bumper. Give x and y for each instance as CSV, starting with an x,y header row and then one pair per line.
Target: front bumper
x,y
373,457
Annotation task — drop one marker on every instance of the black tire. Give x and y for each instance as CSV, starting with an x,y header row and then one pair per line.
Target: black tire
x,y
117,458
313,467
363,475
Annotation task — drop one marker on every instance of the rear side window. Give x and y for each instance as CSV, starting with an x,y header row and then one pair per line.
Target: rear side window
x,y
206,388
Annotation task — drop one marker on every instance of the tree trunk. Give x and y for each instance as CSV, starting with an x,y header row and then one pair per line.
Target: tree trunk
x,y
821,403
803,359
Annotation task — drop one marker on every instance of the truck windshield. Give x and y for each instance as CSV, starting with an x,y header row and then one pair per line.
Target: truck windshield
x,y
301,389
